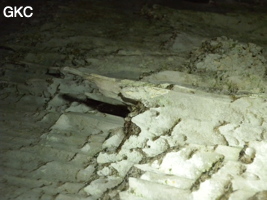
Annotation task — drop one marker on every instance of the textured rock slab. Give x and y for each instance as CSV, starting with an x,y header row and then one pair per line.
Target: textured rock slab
x,y
204,138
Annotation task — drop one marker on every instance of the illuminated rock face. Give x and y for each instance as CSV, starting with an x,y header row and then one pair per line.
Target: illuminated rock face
x,y
184,143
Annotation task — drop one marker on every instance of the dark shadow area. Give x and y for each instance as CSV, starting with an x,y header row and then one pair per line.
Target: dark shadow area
x,y
118,110
220,6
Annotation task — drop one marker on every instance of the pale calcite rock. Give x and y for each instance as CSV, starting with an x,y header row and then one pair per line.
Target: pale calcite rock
x,y
211,141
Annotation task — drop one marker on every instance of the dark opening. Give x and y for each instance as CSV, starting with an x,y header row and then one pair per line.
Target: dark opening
x,y
118,110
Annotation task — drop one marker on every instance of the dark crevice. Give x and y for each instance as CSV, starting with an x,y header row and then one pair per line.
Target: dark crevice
x,y
118,110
